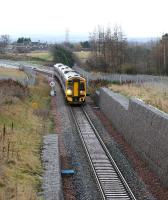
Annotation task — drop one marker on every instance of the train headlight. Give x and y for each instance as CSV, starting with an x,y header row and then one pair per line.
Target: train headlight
x,y
69,92
82,92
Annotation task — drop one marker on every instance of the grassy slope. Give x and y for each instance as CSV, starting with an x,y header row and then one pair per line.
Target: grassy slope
x,y
20,165
82,55
6,72
151,94
41,57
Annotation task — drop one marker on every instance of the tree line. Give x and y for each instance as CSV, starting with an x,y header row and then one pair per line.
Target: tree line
x,y
4,41
112,52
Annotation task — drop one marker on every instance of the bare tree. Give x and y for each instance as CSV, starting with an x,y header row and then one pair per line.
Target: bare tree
x,y
108,48
160,55
4,41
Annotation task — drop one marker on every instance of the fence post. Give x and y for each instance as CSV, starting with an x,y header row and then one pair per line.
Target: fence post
x,y
12,126
4,132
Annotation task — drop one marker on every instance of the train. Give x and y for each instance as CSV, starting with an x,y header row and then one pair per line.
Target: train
x,y
72,83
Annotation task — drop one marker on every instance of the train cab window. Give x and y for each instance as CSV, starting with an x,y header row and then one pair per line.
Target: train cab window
x,y
82,86
70,85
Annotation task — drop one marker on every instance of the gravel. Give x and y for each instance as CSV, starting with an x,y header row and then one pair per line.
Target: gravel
x,y
137,186
83,180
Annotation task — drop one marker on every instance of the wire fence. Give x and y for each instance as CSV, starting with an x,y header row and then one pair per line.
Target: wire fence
x,y
31,75
124,78
30,78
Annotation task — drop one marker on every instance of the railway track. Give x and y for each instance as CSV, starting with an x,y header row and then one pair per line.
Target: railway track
x,y
111,183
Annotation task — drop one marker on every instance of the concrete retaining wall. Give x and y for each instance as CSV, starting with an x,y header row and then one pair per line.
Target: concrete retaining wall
x,y
52,183
144,127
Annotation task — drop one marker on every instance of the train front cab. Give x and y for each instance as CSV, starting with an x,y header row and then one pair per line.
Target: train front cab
x,y
75,91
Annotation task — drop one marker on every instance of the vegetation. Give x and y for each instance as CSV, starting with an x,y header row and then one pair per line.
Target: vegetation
x,y
63,55
41,55
96,84
11,73
85,44
111,52
83,56
24,119
41,58
108,49
4,41
153,94
23,40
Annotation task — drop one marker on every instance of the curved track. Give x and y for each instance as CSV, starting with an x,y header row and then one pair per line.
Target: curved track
x,y
111,183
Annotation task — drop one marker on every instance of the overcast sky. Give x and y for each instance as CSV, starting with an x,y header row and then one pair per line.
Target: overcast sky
x,y
138,18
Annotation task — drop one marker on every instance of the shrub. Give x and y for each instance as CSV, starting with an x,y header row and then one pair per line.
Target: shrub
x,y
11,90
128,69
63,55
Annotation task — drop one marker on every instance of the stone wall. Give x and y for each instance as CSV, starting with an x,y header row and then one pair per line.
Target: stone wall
x,y
144,127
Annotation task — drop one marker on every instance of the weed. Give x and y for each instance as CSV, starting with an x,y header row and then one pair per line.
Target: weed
x,y
21,131
150,93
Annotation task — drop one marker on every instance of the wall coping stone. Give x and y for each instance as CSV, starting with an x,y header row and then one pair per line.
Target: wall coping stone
x,y
149,107
121,99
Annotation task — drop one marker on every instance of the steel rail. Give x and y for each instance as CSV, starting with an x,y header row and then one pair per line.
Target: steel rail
x,y
111,182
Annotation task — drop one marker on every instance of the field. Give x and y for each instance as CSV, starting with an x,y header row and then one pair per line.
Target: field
x,y
82,55
151,93
24,119
35,57
8,73
44,55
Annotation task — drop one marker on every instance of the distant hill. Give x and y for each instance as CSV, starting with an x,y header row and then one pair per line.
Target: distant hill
x,y
142,40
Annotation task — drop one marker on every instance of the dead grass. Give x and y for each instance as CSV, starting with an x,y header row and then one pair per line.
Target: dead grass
x,y
46,55
8,72
82,55
21,132
36,57
150,94
11,91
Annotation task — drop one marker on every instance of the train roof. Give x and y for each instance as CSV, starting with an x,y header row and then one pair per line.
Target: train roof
x,y
67,71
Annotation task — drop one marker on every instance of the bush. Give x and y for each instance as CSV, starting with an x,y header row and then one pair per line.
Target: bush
x,y
63,55
97,63
128,69
11,91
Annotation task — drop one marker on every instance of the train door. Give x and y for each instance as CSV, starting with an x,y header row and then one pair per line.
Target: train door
x,y
76,88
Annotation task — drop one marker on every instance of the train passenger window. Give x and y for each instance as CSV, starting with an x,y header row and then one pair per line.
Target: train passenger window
x,y
66,72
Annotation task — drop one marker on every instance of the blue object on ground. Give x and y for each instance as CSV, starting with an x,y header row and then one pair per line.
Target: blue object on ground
x,y
67,172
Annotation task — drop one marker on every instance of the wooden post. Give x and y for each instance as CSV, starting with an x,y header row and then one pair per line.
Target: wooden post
x,y
12,126
4,132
